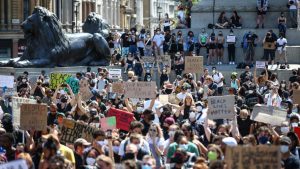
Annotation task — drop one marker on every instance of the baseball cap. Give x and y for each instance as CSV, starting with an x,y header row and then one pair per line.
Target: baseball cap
x,y
169,120
285,139
82,141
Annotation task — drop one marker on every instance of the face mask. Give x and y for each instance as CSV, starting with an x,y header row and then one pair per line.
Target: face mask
x,y
250,91
188,90
284,148
161,110
146,167
282,85
147,71
23,80
212,156
148,79
102,143
64,100
183,146
168,91
171,133
243,119
116,149
263,140
214,71
192,116
139,109
294,124
90,161
284,130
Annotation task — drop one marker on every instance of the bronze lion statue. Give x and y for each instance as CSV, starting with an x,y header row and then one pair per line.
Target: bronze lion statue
x,y
48,45
94,23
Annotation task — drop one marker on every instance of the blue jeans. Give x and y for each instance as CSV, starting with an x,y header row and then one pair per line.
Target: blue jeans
x,y
133,49
293,15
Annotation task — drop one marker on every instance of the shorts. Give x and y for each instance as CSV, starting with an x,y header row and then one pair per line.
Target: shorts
x,y
261,12
220,90
212,46
220,46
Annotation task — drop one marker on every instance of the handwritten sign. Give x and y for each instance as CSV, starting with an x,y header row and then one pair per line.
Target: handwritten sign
x,y
34,116
123,118
193,64
118,87
108,123
268,114
74,84
221,107
164,99
242,157
84,89
7,81
140,89
72,130
16,104
16,164
56,79
165,60
115,73
296,96
230,39
260,64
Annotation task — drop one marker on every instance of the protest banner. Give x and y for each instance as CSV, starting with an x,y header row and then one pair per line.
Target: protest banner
x,y
296,96
16,164
7,81
118,87
193,64
115,73
164,99
123,118
148,59
297,131
33,116
72,130
16,104
140,89
253,157
56,79
74,84
260,64
84,89
165,60
268,114
221,107
108,123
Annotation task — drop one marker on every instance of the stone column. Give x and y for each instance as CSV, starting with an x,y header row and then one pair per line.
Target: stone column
x,y
83,10
9,17
2,26
139,12
118,20
15,48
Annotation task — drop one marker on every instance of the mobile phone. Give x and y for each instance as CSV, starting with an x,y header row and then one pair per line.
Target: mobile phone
x,y
109,134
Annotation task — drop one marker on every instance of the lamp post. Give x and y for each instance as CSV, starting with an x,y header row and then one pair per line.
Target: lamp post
x,y
159,11
76,5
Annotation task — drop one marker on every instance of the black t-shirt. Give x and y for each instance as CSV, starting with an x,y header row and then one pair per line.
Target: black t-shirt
x,y
291,163
213,86
146,127
251,38
293,78
125,41
244,125
235,20
110,42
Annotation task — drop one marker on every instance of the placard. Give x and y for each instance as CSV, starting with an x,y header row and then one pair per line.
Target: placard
x,y
74,84
56,79
108,123
7,81
123,118
16,164
118,87
260,64
164,99
140,89
296,96
230,39
115,73
268,114
16,104
193,64
253,157
165,60
148,59
33,116
84,89
221,107
72,130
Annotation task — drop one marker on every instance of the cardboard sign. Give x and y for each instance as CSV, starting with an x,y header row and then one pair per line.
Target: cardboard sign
x,y
72,130
296,96
16,164
118,87
115,73
164,99
242,157
193,64
221,107
230,39
148,59
84,89
140,89
260,64
56,79
74,84
34,116
268,114
123,118
7,81
16,104
165,60
108,123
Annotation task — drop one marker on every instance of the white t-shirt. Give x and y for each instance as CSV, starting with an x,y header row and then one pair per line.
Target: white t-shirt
x,y
294,6
181,96
144,145
141,43
159,39
155,106
281,42
217,78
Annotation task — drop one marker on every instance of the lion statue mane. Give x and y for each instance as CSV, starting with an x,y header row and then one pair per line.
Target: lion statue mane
x,y
94,23
48,45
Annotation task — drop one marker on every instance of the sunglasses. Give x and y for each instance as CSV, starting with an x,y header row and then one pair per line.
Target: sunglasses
x,y
153,130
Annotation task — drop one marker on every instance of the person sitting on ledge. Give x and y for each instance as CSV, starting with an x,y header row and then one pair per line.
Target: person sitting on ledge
x,y
222,21
235,20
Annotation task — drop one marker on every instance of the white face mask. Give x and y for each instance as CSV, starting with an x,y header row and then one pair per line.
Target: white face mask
x,y
250,91
171,133
284,130
116,149
214,71
192,116
294,124
284,148
139,109
90,161
183,146
282,85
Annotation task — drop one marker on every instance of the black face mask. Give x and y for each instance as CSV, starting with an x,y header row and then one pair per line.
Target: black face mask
x,y
64,100
152,117
128,156
168,91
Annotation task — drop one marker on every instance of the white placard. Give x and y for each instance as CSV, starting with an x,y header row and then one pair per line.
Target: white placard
x,y
230,39
7,81
16,108
17,164
115,73
260,64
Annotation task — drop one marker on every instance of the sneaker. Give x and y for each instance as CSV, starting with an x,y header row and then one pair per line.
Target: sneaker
x,y
230,63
